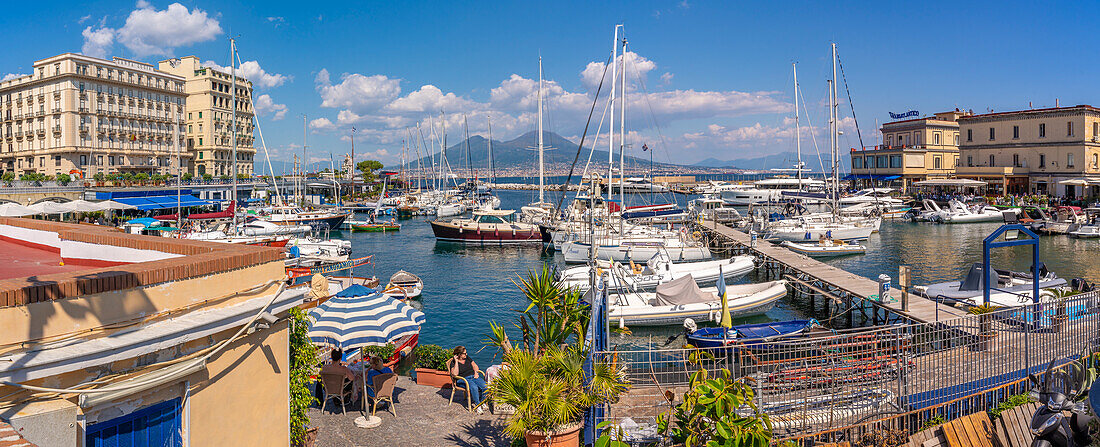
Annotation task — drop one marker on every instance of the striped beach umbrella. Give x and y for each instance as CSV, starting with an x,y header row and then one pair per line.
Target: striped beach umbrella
x,y
360,316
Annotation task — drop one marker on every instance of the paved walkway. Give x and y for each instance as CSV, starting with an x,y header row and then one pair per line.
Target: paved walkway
x,y
424,419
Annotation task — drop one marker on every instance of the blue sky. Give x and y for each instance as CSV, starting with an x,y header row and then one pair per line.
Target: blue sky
x,y
717,75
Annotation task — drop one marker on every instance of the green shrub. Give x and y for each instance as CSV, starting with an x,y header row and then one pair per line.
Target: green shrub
x,y
1013,401
63,179
431,357
187,176
303,357
385,352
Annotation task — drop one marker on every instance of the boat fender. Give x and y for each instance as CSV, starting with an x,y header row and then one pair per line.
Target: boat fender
x,y
459,229
622,323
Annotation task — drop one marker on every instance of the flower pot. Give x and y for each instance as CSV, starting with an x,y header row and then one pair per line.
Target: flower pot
x,y
568,437
432,377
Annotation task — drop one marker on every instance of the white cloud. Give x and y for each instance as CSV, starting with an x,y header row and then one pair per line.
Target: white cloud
x,y
666,78
149,31
357,92
276,19
430,99
636,66
11,76
322,124
97,42
84,19
252,71
267,106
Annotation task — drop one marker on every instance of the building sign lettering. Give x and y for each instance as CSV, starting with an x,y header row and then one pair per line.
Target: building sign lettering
x,y
908,114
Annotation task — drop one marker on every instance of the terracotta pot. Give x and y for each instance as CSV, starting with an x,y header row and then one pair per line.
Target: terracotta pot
x,y
569,437
433,377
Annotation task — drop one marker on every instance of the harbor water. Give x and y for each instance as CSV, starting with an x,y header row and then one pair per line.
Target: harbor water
x,y
466,286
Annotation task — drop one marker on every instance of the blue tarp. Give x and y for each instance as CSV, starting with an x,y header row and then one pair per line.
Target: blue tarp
x,y
881,177
161,202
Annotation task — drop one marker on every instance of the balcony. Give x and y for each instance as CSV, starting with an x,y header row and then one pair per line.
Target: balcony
x,y
41,131
56,110
57,129
83,128
83,110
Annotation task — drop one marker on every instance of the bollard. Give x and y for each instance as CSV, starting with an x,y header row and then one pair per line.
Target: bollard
x,y
903,283
752,238
883,287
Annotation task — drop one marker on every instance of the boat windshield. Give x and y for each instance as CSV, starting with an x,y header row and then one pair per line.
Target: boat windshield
x,y
490,219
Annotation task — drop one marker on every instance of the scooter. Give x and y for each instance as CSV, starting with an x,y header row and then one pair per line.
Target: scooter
x,y
1057,393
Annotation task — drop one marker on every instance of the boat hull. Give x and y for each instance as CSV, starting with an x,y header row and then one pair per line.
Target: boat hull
x,y
750,304
376,228
446,231
818,233
705,273
578,252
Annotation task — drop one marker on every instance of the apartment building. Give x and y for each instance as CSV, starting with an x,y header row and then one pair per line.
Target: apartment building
x,y
1053,151
83,116
912,150
209,125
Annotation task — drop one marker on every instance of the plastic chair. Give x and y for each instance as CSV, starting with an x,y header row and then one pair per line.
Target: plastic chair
x,y
383,391
334,384
454,385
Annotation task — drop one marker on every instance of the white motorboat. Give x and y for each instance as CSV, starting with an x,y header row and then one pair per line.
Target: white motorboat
x,y
1090,229
812,231
825,248
310,246
258,227
712,207
222,237
637,185
1012,288
449,209
659,270
286,215
878,196
717,187
404,285
770,190
682,298
958,212
625,250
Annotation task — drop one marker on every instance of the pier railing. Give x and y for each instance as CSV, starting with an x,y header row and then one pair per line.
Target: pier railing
x,y
837,384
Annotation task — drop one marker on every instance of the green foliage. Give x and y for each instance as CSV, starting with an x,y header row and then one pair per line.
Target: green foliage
x,y
127,176
367,169
882,438
63,179
207,177
33,177
716,411
983,309
609,435
8,177
431,357
243,177
225,177
385,352
160,177
99,177
1013,401
141,177
303,358
936,420
187,176
554,316
550,390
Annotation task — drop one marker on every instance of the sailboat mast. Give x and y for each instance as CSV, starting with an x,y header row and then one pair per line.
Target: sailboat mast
x,y
622,133
301,167
492,164
797,128
611,127
542,168
835,131
469,166
233,74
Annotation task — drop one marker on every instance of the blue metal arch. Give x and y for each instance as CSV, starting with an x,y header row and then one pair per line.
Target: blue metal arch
x,y
991,242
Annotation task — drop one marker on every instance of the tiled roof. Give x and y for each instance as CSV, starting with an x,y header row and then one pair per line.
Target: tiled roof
x,y
9,437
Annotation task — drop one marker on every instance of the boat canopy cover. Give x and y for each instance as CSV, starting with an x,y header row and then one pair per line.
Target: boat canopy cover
x,y
682,290
403,277
975,280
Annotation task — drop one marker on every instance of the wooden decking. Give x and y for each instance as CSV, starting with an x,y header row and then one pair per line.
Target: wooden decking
x,y
919,309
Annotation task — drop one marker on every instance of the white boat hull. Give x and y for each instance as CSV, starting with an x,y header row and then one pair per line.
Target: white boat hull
x,y
815,233
634,309
704,272
824,251
578,252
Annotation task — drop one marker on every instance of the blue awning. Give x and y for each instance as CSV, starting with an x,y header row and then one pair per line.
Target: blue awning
x,y
879,177
161,202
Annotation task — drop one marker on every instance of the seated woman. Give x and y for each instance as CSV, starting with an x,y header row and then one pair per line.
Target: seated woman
x,y
463,366
337,366
376,368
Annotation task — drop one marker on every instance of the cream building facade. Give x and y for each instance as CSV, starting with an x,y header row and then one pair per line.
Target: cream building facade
x,y
210,117
911,150
1054,151
83,116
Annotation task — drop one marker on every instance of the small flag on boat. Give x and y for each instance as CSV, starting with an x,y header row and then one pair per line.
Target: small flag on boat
x,y
727,319
644,147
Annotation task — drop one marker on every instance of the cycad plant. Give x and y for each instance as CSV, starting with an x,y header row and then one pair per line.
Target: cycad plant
x,y
550,390
554,316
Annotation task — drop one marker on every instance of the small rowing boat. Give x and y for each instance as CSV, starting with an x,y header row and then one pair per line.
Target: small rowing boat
x,y
826,248
404,285
377,227
752,336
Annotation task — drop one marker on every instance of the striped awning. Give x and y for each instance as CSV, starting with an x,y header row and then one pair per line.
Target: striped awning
x,y
360,316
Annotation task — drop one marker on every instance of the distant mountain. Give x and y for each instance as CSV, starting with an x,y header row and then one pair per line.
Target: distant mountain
x,y
781,160
521,153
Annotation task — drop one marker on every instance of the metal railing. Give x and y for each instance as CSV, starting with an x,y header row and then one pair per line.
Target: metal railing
x,y
835,384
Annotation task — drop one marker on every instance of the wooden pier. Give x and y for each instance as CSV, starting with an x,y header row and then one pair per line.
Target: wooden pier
x,y
813,277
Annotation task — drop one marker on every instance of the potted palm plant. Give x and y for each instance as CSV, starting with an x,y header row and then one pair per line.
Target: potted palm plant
x,y
430,362
544,382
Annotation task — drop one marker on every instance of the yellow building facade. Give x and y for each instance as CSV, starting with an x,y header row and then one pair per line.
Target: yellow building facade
x,y
81,115
209,125
1053,151
911,150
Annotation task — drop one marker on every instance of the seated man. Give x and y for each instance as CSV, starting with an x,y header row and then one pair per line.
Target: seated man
x,y
337,366
376,368
463,366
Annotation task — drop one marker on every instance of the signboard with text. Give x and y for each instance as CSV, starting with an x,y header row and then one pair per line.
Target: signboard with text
x,y
898,116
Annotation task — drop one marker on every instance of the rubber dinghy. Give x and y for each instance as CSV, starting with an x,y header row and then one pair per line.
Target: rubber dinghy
x,y
825,248
682,298
659,270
